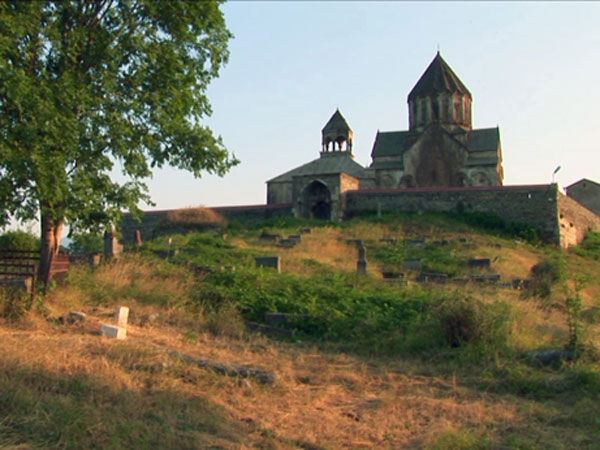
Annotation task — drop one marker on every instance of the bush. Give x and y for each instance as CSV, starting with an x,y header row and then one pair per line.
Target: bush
x,y
545,274
590,247
469,321
20,240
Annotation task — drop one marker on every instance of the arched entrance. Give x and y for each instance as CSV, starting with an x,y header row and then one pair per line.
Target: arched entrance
x,y
317,201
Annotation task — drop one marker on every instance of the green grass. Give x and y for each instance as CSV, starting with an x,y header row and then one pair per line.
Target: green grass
x,y
590,247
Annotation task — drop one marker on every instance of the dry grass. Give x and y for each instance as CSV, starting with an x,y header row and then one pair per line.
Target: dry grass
x,y
195,216
331,400
321,399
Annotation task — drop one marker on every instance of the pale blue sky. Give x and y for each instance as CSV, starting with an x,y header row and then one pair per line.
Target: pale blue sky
x,y
532,68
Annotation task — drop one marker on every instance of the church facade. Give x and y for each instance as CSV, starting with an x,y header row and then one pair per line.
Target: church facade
x,y
439,149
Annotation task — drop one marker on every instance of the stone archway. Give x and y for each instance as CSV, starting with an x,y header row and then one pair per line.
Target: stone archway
x,y
317,200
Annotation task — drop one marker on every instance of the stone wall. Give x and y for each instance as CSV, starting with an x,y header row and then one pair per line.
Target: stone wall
x,y
575,221
151,221
535,205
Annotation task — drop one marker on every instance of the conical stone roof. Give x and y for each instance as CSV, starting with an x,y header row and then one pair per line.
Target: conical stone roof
x,y
337,123
436,79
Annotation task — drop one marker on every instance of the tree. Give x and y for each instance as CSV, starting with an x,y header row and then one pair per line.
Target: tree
x,y
86,85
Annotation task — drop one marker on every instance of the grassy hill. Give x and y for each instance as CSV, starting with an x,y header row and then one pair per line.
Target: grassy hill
x,y
360,361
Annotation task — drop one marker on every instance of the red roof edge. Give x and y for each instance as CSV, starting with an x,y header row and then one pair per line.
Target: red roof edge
x,y
450,189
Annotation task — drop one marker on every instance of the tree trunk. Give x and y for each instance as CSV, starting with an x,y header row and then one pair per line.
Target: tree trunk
x,y
50,243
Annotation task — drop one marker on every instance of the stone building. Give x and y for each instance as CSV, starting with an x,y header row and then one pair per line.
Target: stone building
x,y
586,192
440,148
439,164
314,189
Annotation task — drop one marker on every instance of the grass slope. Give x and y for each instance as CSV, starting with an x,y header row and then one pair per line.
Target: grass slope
x,y
374,365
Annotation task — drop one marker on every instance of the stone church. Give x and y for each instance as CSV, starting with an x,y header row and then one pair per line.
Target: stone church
x,y
439,149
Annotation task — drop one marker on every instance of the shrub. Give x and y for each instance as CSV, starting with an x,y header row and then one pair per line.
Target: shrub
x,y
86,243
590,247
20,240
545,274
469,321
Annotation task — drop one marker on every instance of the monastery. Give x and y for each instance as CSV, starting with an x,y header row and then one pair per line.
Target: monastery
x,y
439,149
440,164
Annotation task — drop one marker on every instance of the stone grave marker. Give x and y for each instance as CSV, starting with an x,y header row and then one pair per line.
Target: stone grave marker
x,y
361,264
412,264
287,243
112,248
122,316
432,277
295,237
415,242
305,231
486,278
479,262
95,259
268,261
138,238
269,237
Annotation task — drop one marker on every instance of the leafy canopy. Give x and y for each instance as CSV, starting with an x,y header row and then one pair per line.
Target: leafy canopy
x,y
86,85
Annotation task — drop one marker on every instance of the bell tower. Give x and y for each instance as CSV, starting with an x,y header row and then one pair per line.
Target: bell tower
x,y
439,97
336,135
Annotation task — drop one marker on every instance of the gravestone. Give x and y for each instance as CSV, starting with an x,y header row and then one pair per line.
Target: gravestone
x,y
479,262
112,248
415,242
23,284
122,316
361,264
138,238
269,237
279,318
486,278
412,264
305,231
113,332
95,259
268,261
432,277
287,243
295,237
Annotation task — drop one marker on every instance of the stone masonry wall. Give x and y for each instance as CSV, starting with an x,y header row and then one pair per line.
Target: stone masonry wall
x,y
575,221
151,220
535,205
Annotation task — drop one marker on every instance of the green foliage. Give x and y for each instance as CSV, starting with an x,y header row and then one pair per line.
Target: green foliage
x,y
19,240
458,440
435,258
14,303
88,87
546,274
460,221
573,306
590,247
86,243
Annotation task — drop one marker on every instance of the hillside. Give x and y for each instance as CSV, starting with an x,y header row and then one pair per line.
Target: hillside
x,y
359,361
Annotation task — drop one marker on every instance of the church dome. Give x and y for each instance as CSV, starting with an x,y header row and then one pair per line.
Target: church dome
x,y
439,97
